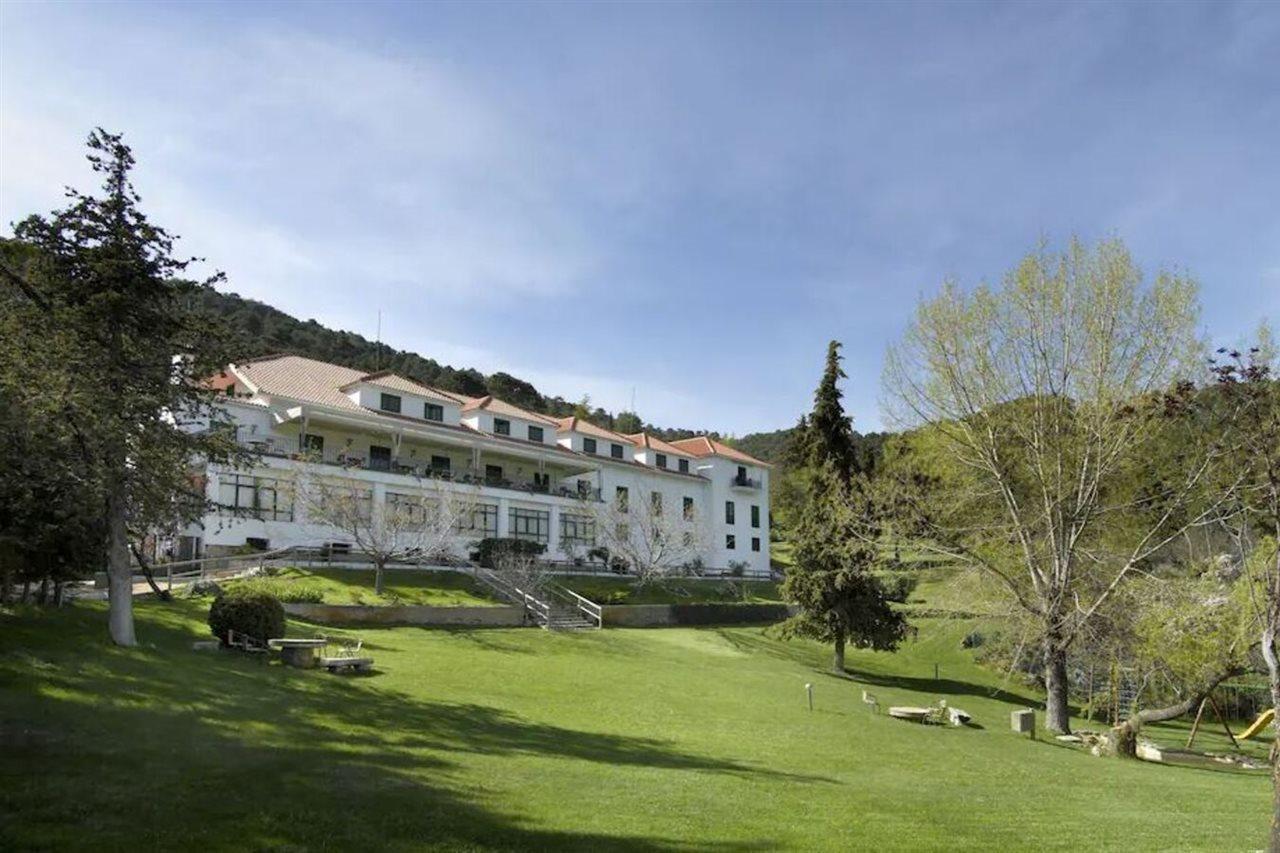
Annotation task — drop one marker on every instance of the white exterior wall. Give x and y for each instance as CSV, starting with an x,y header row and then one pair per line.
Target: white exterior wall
x,y
575,441
481,420
709,485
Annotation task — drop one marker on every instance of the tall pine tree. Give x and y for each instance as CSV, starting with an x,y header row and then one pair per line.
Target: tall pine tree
x,y
841,601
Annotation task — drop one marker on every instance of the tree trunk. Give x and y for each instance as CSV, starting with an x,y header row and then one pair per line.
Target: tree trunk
x,y
119,572
59,593
378,566
42,597
161,594
837,660
1122,740
1057,711
26,590
1268,645
6,584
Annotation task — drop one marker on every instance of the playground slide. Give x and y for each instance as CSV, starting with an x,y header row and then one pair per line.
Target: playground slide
x,y
1264,720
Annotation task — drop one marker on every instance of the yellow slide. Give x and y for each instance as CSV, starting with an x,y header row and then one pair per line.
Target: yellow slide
x,y
1264,720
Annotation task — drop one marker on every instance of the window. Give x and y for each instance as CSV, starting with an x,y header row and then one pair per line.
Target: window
x,y
533,525
661,460
501,426
390,403
535,434
433,412
588,445
541,482
257,497
579,530
684,466
441,464
483,518
755,516
493,473
379,458
729,512
623,532
622,498
688,509
655,501
615,450
730,542
414,510
742,473
313,445
755,543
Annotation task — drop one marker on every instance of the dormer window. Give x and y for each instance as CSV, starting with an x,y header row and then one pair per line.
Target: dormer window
x,y
615,450
662,460
433,412
390,403
501,426
588,445
535,434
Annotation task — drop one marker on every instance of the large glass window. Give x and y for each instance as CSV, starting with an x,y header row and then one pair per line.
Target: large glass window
x,y
483,519
441,464
410,510
380,458
622,498
755,516
588,445
533,525
729,512
493,473
256,497
390,403
577,530
655,502
501,426
433,412
535,434
615,450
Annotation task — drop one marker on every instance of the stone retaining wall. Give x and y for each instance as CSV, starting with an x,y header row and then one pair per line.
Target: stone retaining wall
x,y
615,615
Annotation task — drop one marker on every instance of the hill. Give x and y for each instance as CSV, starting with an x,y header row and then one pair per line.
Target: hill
x,y
263,329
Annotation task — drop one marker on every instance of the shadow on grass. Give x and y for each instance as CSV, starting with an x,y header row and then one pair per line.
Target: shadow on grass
x,y
217,751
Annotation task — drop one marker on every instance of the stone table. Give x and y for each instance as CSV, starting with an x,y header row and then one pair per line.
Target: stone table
x,y
297,652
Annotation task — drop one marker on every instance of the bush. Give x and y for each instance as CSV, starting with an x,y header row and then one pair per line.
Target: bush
x,y
257,614
286,591
202,589
490,551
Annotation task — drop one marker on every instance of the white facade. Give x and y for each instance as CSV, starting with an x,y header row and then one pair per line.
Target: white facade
x,y
534,477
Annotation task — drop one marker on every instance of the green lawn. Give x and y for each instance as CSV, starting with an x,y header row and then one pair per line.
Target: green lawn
x,y
634,740
620,590
403,586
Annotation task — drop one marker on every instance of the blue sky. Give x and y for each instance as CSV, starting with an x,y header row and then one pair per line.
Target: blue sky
x,y
687,200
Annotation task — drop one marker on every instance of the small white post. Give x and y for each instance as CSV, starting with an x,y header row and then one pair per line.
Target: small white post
x,y
808,689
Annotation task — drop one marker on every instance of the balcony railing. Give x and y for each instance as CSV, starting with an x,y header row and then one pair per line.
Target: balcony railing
x,y
417,470
741,481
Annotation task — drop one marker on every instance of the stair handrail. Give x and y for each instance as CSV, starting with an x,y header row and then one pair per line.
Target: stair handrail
x,y
583,604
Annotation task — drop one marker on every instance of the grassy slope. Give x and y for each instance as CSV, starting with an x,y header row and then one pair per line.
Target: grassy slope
x,y
355,586
634,740
611,590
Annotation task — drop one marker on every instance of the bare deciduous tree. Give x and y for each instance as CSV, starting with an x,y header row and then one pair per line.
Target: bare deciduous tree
x,y
656,542
1046,398
418,524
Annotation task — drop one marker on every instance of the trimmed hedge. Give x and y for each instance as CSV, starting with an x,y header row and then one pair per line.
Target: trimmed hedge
x,y
257,614
489,551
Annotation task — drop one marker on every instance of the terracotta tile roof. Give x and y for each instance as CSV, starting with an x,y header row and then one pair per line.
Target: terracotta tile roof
x,y
501,407
395,382
644,440
219,381
303,379
705,446
575,424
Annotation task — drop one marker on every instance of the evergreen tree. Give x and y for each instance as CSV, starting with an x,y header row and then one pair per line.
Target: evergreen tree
x,y
841,601
830,431
133,352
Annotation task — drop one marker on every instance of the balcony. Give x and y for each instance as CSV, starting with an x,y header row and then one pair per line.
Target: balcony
x,y
742,481
420,471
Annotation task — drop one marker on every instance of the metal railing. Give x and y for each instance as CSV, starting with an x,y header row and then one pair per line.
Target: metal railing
x,y
594,612
742,481
419,471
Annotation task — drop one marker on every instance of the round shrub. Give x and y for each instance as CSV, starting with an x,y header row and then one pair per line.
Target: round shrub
x,y
250,612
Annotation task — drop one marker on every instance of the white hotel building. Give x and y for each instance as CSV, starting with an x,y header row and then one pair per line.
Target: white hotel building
x,y
527,475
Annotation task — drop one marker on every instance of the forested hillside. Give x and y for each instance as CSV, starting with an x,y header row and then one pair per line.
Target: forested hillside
x,y
264,329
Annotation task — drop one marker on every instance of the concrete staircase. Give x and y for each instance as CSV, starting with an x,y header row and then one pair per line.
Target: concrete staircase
x,y
562,610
